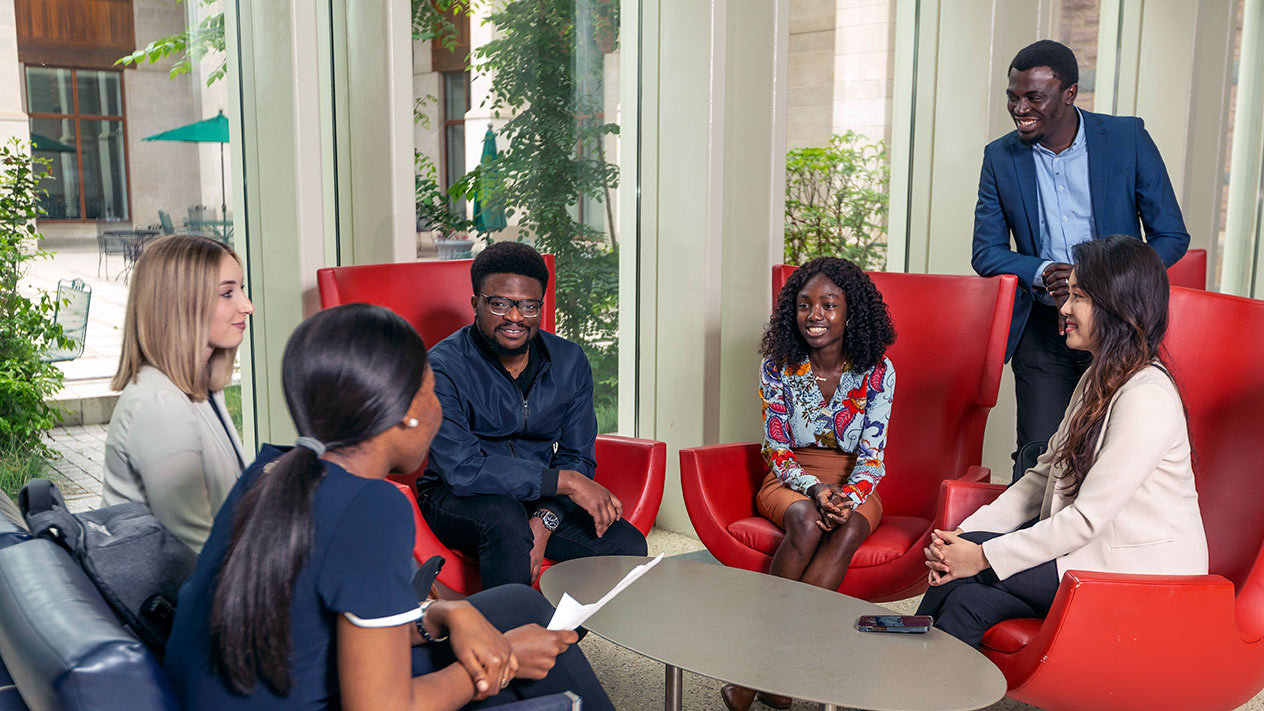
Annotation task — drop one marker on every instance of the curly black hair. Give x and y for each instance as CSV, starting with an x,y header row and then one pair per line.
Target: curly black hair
x,y
869,331
509,258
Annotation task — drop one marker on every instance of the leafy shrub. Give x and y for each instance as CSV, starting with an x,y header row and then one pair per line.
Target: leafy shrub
x,y
836,201
26,323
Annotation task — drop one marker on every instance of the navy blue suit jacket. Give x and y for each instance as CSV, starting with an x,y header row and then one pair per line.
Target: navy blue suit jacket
x,y
1129,191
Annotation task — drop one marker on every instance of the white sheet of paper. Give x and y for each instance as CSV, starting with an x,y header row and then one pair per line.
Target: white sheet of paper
x,y
571,613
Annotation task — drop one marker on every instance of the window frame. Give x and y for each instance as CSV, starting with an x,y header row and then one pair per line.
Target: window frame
x,y
77,118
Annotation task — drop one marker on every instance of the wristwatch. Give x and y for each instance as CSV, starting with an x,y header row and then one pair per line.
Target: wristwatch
x,y
550,519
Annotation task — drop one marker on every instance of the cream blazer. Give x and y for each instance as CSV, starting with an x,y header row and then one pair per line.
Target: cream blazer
x,y
171,454
1137,509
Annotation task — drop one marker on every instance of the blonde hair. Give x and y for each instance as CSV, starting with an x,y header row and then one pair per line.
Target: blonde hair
x,y
169,310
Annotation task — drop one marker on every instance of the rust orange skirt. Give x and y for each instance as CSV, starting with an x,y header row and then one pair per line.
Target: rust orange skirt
x,y
830,466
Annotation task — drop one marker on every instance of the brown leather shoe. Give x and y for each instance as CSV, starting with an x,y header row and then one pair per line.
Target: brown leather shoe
x,y
737,698
777,702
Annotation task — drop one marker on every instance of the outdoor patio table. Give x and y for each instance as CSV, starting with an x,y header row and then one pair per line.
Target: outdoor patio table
x,y
774,634
133,241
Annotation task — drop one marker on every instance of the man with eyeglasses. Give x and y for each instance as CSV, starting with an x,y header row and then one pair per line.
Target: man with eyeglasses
x,y
510,473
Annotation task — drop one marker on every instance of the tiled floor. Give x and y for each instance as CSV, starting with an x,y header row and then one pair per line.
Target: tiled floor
x,y
635,683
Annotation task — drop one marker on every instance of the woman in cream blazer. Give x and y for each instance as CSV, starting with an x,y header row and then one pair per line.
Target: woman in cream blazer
x,y
1114,492
171,444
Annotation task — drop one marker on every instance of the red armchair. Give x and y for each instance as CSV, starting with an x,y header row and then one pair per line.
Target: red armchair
x,y
1190,270
435,298
1150,641
948,355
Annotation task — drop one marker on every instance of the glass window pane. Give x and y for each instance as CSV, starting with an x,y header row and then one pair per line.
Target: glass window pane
x,y
54,141
454,97
99,93
48,91
1077,29
454,167
104,179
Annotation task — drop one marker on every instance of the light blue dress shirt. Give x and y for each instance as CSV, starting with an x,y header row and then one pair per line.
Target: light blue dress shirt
x,y
1066,208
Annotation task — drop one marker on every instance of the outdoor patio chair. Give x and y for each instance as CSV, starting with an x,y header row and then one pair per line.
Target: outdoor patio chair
x,y
109,243
73,298
164,222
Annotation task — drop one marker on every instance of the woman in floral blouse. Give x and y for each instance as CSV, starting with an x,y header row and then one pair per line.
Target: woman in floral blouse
x,y
826,387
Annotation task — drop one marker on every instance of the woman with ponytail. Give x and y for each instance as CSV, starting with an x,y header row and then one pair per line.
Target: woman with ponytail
x,y
303,597
1114,492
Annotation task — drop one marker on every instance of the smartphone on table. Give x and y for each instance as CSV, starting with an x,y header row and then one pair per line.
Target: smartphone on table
x,y
894,623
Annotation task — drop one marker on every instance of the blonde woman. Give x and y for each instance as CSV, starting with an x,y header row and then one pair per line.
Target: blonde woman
x,y
171,445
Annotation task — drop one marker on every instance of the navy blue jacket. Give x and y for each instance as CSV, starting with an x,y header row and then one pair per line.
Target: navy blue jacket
x,y
1129,189
495,441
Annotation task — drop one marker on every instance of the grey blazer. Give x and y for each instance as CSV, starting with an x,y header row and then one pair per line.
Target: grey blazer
x,y
1137,509
171,454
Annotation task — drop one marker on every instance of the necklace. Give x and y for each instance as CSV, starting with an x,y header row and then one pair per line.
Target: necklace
x,y
832,376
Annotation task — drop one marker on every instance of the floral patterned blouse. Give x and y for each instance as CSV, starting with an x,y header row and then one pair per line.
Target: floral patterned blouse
x,y
854,420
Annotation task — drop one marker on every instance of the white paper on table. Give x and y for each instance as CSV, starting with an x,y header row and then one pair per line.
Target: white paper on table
x,y
571,614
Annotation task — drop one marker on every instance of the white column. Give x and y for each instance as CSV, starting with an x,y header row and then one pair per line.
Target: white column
x,y
712,197
13,121
1244,254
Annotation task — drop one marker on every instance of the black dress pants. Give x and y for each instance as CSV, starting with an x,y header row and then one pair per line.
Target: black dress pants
x,y
967,607
495,528
511,606
1045,375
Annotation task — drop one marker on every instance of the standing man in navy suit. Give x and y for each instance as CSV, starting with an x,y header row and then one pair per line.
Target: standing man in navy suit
x,y
1065,176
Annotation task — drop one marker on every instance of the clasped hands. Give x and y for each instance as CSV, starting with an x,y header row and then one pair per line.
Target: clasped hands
x,y
832,504
492,659
949,556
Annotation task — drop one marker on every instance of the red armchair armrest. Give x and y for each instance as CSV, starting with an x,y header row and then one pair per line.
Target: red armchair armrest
x,y
719,482
1115,633
634,470
961,497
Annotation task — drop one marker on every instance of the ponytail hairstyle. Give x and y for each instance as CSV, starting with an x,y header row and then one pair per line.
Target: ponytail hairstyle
x,y
349,373
1128,286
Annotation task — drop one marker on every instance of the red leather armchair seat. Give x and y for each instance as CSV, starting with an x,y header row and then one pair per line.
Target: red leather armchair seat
x,y
948,355
1165,642
435,298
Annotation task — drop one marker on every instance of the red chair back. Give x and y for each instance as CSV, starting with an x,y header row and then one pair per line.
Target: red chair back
x,y
1190,271
1216,347
433,296
948,355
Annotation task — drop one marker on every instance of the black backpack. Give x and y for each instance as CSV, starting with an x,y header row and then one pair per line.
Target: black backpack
x,y
135,562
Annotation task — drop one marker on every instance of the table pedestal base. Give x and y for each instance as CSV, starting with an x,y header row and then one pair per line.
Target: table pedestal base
x,y
673,690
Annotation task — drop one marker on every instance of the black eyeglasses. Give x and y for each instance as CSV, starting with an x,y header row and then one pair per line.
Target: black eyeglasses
x,y
499,305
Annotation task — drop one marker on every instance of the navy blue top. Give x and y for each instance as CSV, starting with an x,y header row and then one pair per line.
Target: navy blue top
x,y
361,564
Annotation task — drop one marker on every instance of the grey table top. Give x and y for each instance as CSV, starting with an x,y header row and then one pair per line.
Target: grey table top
x,y
777,635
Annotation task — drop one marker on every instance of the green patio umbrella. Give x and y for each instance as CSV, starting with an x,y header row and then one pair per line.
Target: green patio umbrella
x,y
211,130
40,142
489,209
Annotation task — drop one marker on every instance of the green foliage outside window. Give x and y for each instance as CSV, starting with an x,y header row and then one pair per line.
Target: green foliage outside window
x,y
26,321
546,67
836,202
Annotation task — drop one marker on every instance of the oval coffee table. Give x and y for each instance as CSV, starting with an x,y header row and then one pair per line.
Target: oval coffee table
x,y
773,634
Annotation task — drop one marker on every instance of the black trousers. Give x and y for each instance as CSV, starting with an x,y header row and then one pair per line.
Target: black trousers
x,y
967,607
496,529
508,607
1045,375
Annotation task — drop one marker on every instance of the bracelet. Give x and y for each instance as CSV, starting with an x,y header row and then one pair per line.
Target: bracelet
x,y
421,627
